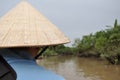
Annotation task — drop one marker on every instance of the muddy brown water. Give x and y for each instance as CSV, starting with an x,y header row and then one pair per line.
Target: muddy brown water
x,y
76,68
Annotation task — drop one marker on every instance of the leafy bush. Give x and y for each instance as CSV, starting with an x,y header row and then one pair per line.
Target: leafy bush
x,y
49,52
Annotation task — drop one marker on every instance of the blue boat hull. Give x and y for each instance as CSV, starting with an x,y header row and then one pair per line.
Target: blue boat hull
x,y
27,69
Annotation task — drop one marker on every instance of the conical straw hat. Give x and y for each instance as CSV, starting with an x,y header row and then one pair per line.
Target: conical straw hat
x,y
24,26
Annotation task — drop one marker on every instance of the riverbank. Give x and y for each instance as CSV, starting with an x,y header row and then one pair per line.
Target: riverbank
x,y
62,50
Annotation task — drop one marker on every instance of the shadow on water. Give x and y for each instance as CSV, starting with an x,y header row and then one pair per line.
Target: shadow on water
x,y
75,68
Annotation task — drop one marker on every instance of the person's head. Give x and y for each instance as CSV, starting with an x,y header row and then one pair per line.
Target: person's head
x,y
32,50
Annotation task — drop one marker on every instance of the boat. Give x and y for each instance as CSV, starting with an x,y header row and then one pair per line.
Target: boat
x,y
26,68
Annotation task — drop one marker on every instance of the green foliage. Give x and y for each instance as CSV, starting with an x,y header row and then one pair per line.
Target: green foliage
x,y
100,41
76,42
64,50
87,42
105,43
115,24
49,52
60,50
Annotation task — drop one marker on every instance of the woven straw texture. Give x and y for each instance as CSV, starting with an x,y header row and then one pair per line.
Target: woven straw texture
x,y
24,26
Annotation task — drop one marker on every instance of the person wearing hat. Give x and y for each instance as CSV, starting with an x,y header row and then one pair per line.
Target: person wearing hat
x,y
23,31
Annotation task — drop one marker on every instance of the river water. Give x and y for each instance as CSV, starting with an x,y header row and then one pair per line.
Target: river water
x,y
76,68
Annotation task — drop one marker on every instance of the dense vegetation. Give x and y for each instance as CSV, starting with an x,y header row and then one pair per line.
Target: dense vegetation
x,y
103,44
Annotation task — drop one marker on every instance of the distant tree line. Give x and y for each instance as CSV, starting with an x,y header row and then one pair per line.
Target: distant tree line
x,y
103,44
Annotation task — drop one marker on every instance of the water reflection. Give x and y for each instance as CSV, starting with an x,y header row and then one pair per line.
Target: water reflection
x,y
74,68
